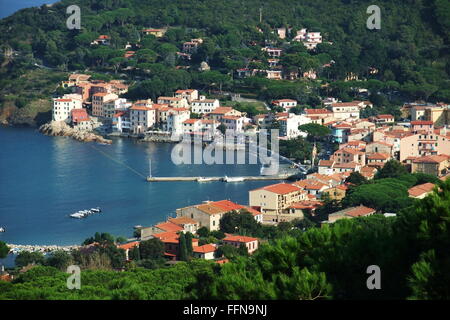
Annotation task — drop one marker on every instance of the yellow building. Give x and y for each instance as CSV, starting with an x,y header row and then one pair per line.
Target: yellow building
x,y
274,201
336,193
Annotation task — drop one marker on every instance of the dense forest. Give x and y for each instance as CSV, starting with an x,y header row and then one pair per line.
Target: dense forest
x,y
410,52
320,263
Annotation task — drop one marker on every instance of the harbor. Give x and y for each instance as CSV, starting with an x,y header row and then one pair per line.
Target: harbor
x,y
224,179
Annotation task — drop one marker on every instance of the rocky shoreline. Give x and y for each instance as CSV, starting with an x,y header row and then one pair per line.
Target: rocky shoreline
x,y
16,248
60,128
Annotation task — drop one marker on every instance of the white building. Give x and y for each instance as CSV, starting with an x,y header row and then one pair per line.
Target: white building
x,y
142,118
286,104
174,102
121,122
111,107
234,123
345,110
289,125
192,125
63,106
175,121
204,105
188,94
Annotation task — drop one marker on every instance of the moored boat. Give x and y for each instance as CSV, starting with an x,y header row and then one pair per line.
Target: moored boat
x,y
233,179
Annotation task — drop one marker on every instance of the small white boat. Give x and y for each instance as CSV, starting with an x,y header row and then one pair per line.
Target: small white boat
x,y
77,215
2,230
233,179
201,179
85,213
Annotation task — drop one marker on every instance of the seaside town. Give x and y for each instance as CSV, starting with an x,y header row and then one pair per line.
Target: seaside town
x,y
362,122
421,143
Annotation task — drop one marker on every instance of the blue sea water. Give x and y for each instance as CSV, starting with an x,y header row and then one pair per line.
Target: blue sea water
x,y
8,7
43,179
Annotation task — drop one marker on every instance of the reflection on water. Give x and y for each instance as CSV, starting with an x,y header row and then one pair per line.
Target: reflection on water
x,y
44,179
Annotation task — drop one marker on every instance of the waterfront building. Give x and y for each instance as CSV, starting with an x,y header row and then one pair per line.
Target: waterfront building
x,y
121,122
81,120
98,102
63,106
142,118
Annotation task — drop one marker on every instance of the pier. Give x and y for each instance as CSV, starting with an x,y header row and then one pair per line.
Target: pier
x,y
247,178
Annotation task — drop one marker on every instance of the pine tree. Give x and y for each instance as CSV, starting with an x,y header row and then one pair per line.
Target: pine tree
x,y
183,248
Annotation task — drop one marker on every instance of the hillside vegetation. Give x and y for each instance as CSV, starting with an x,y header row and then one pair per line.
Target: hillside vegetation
x,y
410,52
321,263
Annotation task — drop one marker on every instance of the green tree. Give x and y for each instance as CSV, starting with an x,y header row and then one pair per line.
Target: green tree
x,y
25,258
4,250
356,179
183,247
430,278
59,259
151,249
392,169
203,232
315,130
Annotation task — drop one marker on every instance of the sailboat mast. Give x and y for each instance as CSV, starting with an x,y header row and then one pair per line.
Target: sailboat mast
x,y
150,168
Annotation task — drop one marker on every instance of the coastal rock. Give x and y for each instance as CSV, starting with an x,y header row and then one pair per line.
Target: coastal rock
x,y
60,128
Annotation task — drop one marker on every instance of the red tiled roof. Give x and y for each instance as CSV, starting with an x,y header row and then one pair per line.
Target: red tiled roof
x,y
432,159
167,236
191,121
378,156
79,115
185,91
310,185
306,204
420,189
227,205
280,188
128,245
182,221
356,211
385,116
326,163
317,111
206,248
422,122
242,239
346,165
221,110
169,227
